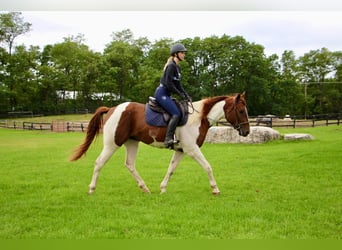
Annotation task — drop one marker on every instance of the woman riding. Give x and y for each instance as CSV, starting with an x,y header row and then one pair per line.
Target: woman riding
x,y
170,83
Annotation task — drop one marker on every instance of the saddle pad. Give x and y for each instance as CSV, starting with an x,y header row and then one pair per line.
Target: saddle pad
x,y
153,118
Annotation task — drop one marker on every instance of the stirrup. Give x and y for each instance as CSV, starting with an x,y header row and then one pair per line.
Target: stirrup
x,y
170,143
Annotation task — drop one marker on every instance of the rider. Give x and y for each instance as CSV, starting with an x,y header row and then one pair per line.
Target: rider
x,y
170,83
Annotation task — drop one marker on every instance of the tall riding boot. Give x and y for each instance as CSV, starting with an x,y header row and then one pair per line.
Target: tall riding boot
x,y
171,127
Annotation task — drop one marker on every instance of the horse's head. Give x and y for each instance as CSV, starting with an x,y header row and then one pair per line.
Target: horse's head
x,y
236,113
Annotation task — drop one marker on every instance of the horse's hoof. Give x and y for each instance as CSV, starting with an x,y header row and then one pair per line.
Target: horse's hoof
x,y
216,193
146,190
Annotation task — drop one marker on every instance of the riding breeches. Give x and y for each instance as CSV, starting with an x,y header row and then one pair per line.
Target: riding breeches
x,y
164,99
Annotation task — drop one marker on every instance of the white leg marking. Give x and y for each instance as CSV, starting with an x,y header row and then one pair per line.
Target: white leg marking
x,y
177,156
197,155
131,154
105,155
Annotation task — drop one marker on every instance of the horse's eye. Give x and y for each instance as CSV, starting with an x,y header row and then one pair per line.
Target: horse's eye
x,y
241,111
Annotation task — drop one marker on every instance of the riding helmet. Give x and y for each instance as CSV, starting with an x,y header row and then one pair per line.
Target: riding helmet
x,y
177,48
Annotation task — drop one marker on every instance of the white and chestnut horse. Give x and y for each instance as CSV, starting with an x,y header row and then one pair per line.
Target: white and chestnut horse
x,y
125,125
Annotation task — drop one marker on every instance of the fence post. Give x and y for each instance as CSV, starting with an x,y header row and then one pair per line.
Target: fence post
x,y
294,121
313,121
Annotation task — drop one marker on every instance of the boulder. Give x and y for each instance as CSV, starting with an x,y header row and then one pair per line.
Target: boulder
x,y
223,134
298,136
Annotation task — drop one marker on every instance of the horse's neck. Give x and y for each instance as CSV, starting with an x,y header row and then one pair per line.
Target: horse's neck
x,y
216,113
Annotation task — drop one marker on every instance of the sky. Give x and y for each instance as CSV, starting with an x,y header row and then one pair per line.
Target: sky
x,y
301,27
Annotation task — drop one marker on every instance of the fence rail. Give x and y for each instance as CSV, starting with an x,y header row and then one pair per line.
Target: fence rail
x,y
77,126
25,125
294,121
37,126
54,126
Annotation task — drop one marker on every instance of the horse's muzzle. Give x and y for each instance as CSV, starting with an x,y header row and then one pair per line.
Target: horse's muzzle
x,y
243,129
243,132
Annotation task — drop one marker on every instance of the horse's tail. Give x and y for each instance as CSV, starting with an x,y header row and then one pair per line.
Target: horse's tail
x,y
93,130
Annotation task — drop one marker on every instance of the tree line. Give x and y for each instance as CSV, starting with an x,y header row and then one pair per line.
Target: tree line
x,y
68,76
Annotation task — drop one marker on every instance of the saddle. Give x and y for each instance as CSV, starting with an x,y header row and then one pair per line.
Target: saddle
x,y
156,115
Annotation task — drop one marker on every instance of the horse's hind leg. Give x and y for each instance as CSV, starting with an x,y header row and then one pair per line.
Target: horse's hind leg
x,y
104,156
177,156
131,155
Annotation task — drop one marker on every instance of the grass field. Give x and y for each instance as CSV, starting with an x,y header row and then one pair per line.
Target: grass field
x,y
277,190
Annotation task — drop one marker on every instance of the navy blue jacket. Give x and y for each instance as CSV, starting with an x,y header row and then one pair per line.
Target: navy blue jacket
x,y
171,79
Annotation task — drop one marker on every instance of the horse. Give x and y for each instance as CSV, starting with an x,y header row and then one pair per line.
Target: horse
x,y
125,125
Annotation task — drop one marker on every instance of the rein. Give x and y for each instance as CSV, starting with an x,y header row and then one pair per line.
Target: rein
x,y
190,105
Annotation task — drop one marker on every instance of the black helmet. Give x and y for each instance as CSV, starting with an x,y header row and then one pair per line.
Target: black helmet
x,y
177,48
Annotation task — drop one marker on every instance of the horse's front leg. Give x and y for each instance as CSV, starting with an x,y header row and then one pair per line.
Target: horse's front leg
x,y
131,155
177,156
197,155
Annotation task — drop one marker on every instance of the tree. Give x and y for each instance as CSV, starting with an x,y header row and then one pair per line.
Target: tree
x,y
12,25
47,82
20,78
337,62
74,71
315,67
4,91
123,56
289,65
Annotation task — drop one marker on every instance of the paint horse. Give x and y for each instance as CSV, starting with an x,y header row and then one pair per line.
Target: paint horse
x,y
125,125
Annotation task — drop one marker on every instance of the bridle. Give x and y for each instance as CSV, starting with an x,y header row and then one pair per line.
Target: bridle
x,y
238,124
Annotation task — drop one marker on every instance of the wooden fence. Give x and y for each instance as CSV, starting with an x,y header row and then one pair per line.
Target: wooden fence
x,y
294,121
297,121
55,126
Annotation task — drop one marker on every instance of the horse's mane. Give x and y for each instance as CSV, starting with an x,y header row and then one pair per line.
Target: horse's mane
x,y
209,102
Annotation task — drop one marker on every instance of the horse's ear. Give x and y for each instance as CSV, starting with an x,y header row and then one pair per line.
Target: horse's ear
x,y
237,98
243,95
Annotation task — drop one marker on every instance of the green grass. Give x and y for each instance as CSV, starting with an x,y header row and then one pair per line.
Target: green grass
x,y
277,190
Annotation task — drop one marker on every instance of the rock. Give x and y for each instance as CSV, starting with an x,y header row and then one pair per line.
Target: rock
x,y
229,135
289,137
